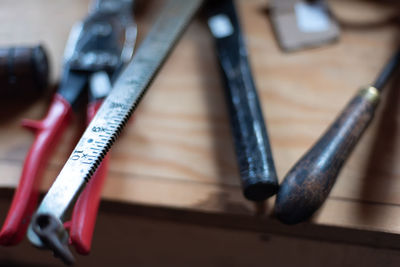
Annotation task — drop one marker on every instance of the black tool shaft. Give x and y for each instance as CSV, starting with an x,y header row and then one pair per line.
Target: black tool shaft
x,y
252,145
309,182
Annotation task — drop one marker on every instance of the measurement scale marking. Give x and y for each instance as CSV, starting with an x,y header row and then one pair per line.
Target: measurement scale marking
x,y
116,109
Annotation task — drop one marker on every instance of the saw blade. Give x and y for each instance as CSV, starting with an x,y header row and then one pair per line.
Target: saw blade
x,y
112,116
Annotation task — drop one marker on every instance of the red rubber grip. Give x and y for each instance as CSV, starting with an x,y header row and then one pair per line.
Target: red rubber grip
x,y
85,210
47,131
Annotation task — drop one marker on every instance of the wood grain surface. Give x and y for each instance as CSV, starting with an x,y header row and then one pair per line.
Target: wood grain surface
x,y
177,151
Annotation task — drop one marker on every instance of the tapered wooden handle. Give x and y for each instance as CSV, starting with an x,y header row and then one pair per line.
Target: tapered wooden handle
x,y
309,182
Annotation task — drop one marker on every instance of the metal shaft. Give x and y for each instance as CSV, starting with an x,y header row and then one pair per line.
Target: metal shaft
x,y
112,116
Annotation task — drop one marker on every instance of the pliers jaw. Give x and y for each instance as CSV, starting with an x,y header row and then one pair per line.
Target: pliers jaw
x,y
105,39
111,6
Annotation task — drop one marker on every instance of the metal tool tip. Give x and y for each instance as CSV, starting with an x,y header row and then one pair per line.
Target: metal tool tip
x,y
52,233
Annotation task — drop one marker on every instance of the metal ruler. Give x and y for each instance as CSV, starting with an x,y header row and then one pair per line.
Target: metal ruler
x,y
116,110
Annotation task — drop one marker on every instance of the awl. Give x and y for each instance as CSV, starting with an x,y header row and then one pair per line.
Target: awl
x,y
309,182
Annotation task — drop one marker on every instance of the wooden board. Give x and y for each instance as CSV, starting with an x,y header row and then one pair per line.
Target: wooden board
x,y
138,241
177,152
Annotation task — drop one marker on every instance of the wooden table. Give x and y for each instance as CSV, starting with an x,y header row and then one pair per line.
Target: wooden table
x,y
175,159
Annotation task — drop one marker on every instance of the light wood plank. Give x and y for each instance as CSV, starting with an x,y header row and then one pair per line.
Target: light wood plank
x,y
177,151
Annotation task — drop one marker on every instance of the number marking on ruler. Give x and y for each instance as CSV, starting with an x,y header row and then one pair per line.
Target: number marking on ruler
x,y
116,109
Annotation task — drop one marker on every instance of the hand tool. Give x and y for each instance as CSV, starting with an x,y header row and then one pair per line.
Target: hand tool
x,y
46,229
24,72
97,48
253,151
309,182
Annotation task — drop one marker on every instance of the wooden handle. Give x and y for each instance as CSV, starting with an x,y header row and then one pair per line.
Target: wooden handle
x,y
24,72
309,182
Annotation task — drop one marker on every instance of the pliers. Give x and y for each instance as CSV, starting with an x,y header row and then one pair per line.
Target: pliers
x,y
97,49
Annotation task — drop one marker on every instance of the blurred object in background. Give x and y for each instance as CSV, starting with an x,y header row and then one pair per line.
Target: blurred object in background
x,y
302,24
366,14
24,72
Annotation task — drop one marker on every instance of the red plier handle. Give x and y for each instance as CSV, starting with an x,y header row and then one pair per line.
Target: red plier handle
x,y
83,220
48,131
